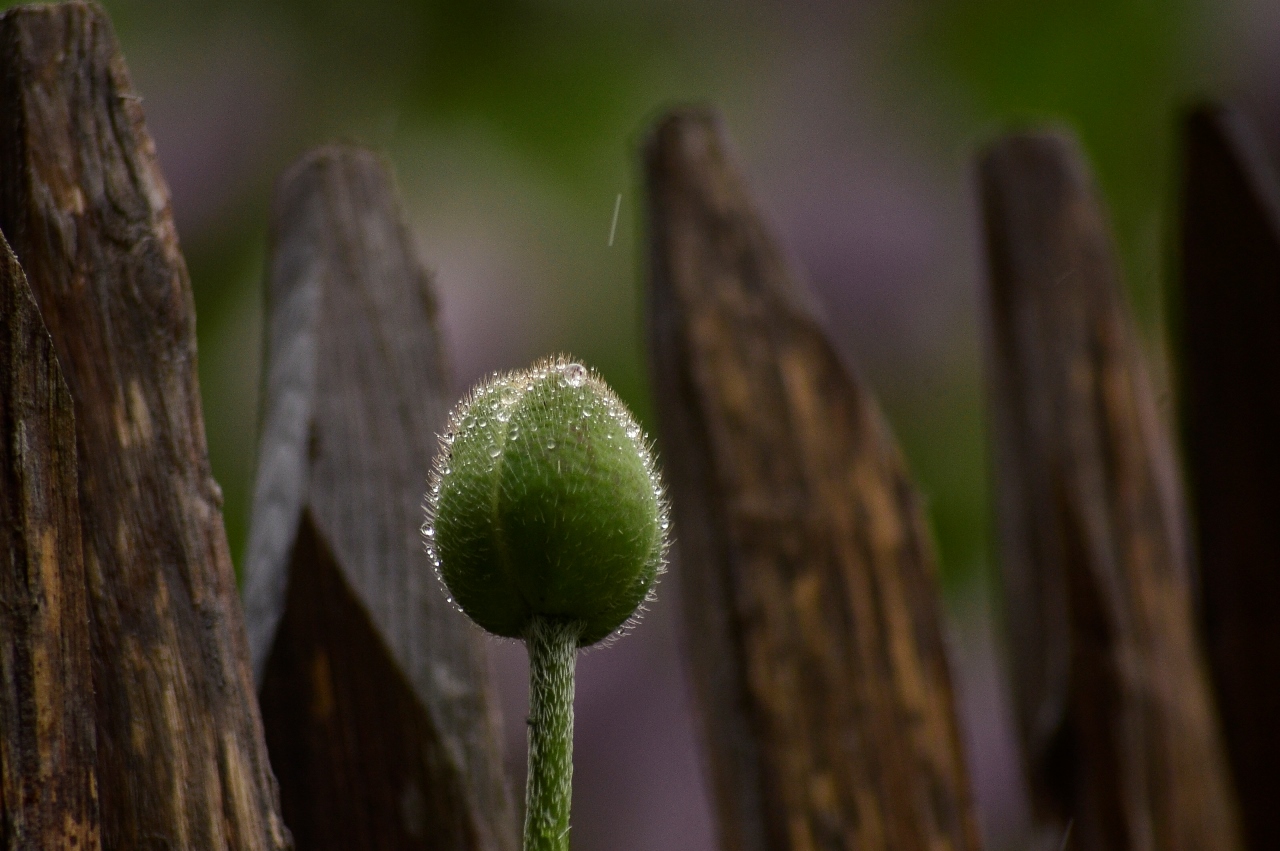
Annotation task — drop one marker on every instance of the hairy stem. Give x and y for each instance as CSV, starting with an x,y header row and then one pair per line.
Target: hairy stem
x,y
552,646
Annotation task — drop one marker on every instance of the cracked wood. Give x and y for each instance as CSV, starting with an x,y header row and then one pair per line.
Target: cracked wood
x,y
181,762
48,784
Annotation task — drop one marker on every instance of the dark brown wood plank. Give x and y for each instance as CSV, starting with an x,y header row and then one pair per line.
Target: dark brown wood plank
x,y
810,602
181,761
356,390
361,763
1230,382
1119,728
48,785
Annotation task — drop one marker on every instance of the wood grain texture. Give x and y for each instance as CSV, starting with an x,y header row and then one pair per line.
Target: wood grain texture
x,y
181,761
1230,374
356,391
1119,728
811,610
48,785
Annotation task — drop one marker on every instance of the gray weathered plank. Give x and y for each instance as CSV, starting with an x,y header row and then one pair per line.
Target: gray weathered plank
x,y
810,603
181,761
1119,729
337,581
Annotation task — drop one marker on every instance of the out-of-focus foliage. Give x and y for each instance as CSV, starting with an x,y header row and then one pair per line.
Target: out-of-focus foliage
x,y
513,125
1117,72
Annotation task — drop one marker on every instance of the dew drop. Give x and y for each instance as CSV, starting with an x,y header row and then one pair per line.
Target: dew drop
x,y
509,395
494,451
551,443
575,374
633,431
429,531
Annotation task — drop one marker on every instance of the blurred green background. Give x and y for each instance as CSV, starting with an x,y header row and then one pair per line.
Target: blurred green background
x,y
513,126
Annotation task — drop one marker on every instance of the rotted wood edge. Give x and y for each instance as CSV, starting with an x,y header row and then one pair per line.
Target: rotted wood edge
x,y
810,603
356,389
1120,734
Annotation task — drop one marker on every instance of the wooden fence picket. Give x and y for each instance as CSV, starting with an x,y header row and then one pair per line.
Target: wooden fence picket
x,y
1230,382
181,761
374,690
1120,734
810,602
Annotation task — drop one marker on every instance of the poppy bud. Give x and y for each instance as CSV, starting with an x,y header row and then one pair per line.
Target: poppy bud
x,y
545,503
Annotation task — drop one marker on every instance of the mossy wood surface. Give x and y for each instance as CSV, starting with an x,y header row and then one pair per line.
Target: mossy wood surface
x,y
1230,383
375,690
181,762
810,600
1120,734
48,784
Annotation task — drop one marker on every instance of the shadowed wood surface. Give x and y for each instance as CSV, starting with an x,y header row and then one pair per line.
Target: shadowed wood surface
x,y
1230,373
360,763
48,788
181,762
356,391
812,618
1119,729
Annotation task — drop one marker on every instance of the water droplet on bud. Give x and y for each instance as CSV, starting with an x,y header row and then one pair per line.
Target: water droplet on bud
x,y
575,374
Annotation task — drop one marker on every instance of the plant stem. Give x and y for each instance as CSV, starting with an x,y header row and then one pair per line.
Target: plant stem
x,y
553,647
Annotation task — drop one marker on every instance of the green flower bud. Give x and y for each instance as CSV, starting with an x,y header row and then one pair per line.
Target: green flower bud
x,y
545,503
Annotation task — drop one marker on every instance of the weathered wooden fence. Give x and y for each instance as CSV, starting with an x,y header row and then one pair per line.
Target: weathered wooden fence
x,y
139,708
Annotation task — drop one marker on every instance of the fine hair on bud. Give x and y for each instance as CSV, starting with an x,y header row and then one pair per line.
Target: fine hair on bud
x,y
545,503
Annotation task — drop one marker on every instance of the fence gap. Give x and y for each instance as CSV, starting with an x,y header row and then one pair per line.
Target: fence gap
x,y
1230,378
180,756
811,609
1118,725
374,690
